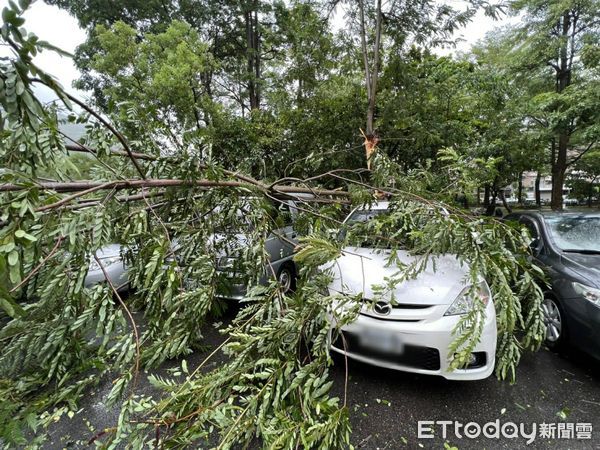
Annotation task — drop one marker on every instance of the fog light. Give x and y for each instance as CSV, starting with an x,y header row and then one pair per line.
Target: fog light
x,y
472,359
477,359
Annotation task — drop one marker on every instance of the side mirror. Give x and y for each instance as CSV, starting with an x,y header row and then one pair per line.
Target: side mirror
x,y
536,246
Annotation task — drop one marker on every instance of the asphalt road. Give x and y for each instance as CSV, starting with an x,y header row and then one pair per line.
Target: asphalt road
x,y
386,406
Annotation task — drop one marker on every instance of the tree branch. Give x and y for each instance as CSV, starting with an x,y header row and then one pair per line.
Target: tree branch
x,y
102,120
578,157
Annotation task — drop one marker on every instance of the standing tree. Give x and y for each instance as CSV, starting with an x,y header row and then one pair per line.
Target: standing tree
x,y
377,30
551,43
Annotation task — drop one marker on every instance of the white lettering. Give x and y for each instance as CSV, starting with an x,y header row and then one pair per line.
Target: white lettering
x,y
424,426
493,434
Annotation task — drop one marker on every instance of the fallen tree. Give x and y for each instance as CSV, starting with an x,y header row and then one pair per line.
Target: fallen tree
x,y
59,336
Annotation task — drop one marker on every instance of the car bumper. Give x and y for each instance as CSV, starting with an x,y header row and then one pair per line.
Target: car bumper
x,y
583,320
424,346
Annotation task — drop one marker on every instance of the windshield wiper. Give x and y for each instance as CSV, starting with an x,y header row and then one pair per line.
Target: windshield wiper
x,y
582,250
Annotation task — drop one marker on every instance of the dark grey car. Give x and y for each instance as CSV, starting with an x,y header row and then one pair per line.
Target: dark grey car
x,y
567,246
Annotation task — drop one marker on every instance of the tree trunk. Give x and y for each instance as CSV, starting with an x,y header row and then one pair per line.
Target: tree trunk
x,y
486,195
563,80
591,192
503,198
538,196
371,78
252,54
558,173
491,208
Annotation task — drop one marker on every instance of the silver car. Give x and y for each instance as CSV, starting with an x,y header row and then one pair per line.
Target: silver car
x,y
279,246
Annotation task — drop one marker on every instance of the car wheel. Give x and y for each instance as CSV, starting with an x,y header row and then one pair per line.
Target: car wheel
x,y
287,278
555,321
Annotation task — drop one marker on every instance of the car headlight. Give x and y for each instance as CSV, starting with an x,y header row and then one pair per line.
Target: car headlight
x,y
94,266
589,293
465,301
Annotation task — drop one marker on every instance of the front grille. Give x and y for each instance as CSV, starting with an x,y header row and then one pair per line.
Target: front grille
x,y
400,312
388,318
402,305
413,356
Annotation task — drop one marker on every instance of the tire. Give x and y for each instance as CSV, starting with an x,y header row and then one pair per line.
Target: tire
x,y
556,324
286,276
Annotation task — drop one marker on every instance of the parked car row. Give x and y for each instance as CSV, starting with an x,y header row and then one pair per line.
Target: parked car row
x,y
413,332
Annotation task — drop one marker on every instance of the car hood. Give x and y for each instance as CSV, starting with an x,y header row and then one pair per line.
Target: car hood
x,y
358,270
587,266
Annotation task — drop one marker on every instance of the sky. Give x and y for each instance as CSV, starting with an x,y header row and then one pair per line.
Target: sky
x,y
59,28
56,26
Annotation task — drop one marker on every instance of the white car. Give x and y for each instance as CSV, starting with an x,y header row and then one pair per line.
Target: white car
x,y
412,333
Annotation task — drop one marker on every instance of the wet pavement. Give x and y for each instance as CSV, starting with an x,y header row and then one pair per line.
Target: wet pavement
x,y
386,406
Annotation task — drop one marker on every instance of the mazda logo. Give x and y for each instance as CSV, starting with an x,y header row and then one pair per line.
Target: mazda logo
x,y
382,308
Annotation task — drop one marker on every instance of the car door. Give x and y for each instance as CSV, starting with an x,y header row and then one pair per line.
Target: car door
x,y
282,240
539,250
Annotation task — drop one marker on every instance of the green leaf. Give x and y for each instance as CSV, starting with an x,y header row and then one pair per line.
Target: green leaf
x,y
13,258
12,308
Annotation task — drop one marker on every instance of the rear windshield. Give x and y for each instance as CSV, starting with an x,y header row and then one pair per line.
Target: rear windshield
x,y
575,233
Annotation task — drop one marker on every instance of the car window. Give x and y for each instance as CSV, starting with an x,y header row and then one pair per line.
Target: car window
x,y
575,232
282,215
361,234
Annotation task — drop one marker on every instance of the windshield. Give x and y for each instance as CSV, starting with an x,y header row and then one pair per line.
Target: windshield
x,y
362,229
575,232
364,215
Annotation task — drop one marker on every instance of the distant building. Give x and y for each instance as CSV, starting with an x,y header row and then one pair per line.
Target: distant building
x,y
512,190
